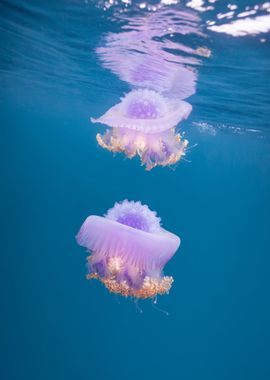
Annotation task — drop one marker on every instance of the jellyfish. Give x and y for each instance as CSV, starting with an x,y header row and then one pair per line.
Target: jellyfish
x,y
143,123
128,250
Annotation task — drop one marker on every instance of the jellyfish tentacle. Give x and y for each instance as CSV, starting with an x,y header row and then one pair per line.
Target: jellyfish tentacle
x,y
153,150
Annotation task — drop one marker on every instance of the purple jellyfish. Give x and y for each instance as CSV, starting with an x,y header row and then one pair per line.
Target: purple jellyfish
x,y
144,124
128,250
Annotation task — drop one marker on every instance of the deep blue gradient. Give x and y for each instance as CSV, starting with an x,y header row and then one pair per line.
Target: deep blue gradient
x,y
54,323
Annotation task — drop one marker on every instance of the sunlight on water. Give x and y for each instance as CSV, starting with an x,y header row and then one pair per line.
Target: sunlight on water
x,y
258,23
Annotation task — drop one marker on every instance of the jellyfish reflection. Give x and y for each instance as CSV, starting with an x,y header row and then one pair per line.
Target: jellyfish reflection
x,y
143,55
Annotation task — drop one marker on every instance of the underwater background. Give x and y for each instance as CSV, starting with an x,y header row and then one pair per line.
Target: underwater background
x,y
54,323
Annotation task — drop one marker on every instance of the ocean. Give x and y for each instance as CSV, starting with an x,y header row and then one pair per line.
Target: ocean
x,y
54,323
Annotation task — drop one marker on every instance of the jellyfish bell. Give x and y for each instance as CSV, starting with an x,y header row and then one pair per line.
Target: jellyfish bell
x,y
128,250
145,111
144,123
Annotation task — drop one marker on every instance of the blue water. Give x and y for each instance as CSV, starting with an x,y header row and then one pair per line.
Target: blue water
x,y
54,323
